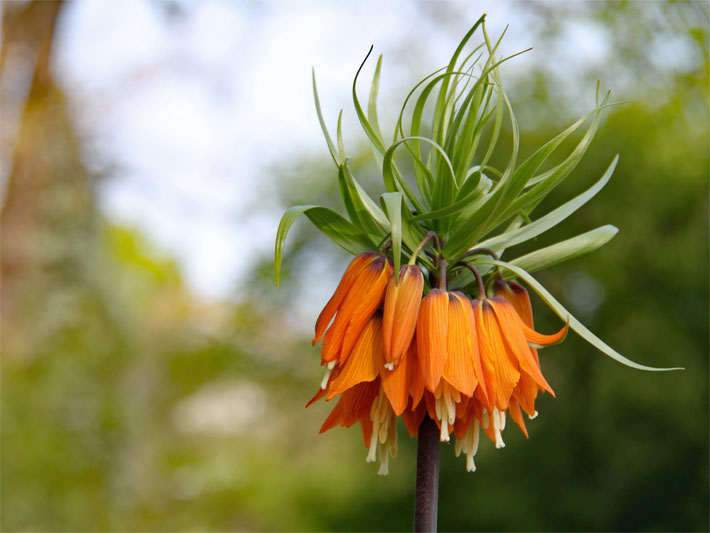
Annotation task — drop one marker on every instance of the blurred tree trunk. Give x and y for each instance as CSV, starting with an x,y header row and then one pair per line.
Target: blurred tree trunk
x,y
46,189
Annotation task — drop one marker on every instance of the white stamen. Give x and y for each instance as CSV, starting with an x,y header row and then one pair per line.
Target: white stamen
x,y
372,453
497,419
446,398
533,417
469,445
484,418
389,366
502,421
384,433
384,461
444,429
329,367
324,382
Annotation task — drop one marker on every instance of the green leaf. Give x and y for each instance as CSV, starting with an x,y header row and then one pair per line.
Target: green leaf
x,y
499,109
504,202
375,139
339,132
330,223
471,229
328,140
552,218
399,128
441,104
369,218
362,200
415,130
394,182
372,101
392,203
475,190
574,324
566,250
543,184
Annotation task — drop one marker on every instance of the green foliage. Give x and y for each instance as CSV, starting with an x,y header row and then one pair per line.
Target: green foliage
x,y
459,197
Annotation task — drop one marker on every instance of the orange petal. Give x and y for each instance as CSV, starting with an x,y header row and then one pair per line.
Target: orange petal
x,y
459,365
395,384
354,404
525,393
413,417
416,379
371,293
335,335
516,415
544,340
400,311
482,389
364,362
335,417
432,328
516,294
430,402
500,374
354,269
366,426
512,328
317,396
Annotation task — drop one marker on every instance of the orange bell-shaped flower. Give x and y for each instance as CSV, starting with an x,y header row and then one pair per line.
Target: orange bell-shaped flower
x,y
510,370
432,336
355,301
400,313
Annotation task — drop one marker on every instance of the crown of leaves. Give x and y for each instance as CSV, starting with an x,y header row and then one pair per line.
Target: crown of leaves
x,y
452,188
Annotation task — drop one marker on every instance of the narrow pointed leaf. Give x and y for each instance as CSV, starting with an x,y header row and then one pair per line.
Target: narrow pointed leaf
x,y
321,121
362,200
392,203
369,218
376,142
372,101
574,324
330,223
566,250
552,218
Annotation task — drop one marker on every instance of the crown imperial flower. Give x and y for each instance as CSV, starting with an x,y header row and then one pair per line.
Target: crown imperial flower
x,y
448,335
400,312
356,304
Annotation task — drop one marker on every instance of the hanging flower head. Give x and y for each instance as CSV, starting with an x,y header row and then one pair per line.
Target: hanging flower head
x,y
449,334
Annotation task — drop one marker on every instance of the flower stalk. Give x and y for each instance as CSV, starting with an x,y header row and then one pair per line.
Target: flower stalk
x,y
426,496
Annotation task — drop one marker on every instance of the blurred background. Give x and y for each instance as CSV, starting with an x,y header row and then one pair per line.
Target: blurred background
x,y
153,378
